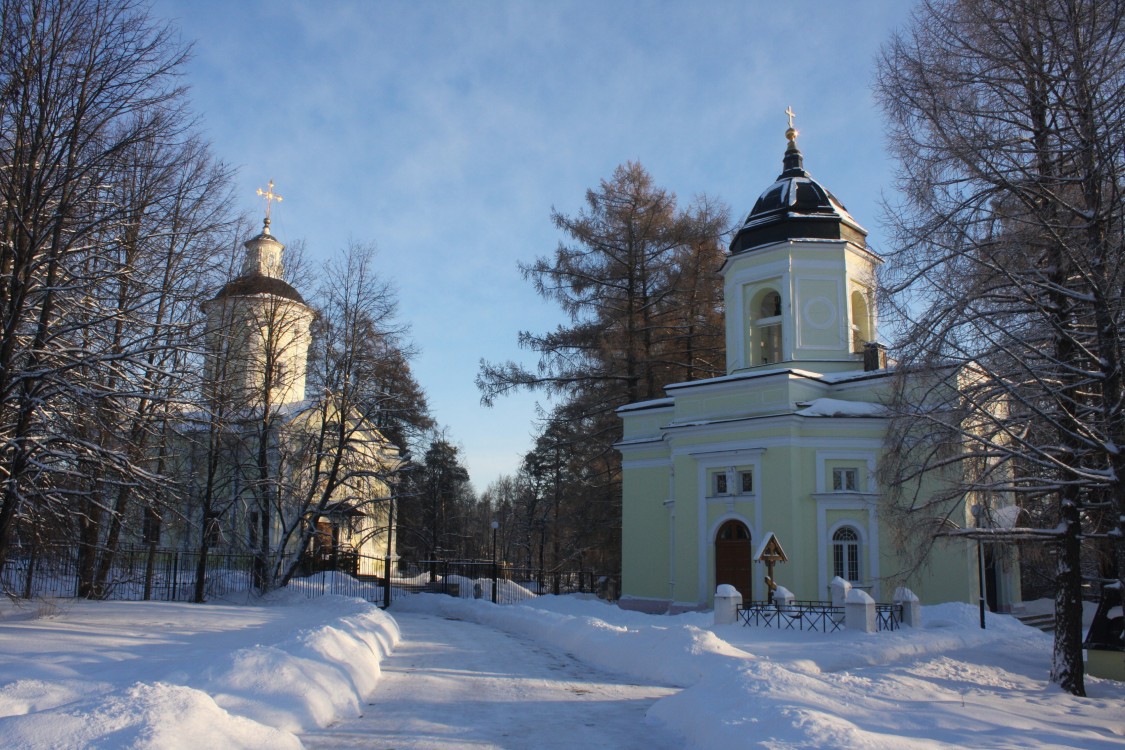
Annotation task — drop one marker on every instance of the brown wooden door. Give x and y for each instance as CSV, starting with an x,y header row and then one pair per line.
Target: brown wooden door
x,y
732,557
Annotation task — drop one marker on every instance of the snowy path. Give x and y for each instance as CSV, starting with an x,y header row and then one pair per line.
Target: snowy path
x,y
453,683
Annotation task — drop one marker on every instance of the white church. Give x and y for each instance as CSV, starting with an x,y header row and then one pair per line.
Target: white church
x,y
785,447
258,339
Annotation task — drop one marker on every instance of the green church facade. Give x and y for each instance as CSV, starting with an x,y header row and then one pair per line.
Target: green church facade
x,y
789,441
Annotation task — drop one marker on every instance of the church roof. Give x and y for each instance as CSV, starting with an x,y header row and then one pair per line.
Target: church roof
x,y
796,206
257,283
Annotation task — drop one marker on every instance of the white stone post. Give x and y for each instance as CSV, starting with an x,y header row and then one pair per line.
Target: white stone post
x,y
783,597
840,589
911,607
859,611
727,602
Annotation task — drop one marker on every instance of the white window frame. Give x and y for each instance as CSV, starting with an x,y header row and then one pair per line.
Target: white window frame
x,y
847,554
720,478
840,477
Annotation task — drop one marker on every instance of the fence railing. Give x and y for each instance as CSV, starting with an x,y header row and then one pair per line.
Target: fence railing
x,y
136,574
888,616
474,579
130,574
812,615
816,616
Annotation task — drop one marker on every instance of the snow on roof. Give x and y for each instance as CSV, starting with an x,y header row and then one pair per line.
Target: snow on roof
x,y
653,404
745,375
769,537
834,407
844,377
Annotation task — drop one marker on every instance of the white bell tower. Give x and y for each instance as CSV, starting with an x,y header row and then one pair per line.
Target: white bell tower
x,y
258,327
800,281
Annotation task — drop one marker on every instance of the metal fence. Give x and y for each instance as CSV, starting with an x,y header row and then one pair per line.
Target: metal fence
x,y
136,574
811,615
131,574
503,584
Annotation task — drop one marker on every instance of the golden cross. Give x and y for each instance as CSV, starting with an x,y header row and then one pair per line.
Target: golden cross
x,y
788,110
270,196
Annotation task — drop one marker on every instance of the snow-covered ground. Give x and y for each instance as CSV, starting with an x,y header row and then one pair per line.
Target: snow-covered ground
x,y
76,674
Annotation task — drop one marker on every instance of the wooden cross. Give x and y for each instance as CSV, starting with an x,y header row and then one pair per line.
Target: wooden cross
x,y
788,110
270,196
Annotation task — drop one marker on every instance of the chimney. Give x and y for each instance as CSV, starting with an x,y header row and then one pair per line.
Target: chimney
x,y
874,356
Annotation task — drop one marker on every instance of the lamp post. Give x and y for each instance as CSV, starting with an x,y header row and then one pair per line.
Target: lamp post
x,y
495,526
390,548
978,510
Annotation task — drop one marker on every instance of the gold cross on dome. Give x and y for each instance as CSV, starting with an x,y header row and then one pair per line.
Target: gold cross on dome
x,y
788,110
270,196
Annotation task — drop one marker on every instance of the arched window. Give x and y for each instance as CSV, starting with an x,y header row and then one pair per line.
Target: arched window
x,y
767,328
733,531
845,554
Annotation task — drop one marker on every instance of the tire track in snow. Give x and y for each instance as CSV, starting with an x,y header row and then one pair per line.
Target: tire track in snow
x,y
457,684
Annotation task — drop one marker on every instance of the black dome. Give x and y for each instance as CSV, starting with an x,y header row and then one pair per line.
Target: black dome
x,y
247,286
796,206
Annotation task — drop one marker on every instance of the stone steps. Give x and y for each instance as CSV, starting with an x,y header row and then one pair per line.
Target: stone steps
x,y
1045,622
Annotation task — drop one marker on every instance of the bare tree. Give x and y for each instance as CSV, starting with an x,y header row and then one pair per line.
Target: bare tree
x,y
1010,129
334,449
89,101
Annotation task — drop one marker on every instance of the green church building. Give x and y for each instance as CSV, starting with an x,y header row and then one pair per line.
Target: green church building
x,y
785,445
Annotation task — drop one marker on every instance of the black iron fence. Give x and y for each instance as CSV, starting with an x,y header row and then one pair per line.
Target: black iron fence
x,y
503,584
131,574
137,574
812,615
888,616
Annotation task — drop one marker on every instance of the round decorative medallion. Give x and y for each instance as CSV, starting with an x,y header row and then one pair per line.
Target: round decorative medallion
x,y
820,312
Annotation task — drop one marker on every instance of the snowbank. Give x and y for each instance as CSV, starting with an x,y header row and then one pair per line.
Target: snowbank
x,y
173,675
947,684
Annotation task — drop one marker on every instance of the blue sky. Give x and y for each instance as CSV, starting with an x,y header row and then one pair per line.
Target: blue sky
x,y
445,132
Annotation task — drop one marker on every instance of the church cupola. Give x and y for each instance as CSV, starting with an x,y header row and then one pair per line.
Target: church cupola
x,y
799,282
259,326
795,206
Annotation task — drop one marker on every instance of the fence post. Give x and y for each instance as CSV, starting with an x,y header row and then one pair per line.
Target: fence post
x,y
174,594
840,589
859,612
30,570
911,607
386,581
727,602
150,560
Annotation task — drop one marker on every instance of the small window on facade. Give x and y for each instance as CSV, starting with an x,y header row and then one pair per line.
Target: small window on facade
x,y
721,483
150,528
844,480
252,529
746,482
214,532
280,371
845,554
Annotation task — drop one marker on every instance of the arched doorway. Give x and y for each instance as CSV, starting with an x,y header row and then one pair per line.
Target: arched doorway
x,y
732,557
